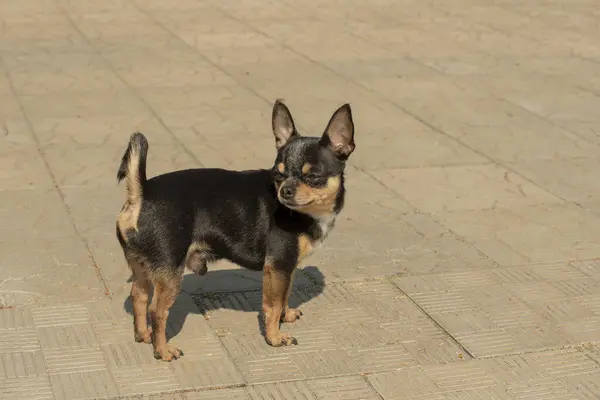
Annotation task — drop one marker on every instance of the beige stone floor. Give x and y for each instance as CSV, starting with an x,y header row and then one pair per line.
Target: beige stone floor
x,y
463,267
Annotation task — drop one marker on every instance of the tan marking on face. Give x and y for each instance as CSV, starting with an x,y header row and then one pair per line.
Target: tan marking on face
x,y
306,168
281,167
319,201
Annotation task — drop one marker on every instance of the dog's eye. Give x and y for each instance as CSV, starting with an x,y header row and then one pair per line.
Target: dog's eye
x,y
313,179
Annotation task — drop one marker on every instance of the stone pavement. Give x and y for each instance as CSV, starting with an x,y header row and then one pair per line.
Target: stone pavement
x,y
463,266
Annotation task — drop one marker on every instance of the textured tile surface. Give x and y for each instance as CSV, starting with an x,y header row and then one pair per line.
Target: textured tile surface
x,y
464,265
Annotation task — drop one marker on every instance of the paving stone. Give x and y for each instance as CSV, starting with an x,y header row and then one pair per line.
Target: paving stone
x,y
347,387
207,373
146,379
60,316
270,369
472,206
563,363
16,340
460,186
59,361
84,385
325,363
37,388
405,384
384,358
436,351
462,376
547,388
19,365
223,394
290,390
13,318
69,336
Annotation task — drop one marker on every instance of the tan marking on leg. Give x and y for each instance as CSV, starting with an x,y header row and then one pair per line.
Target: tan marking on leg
x,y
165,293
275,287
128,218
306,168
305,247
140,291
290,314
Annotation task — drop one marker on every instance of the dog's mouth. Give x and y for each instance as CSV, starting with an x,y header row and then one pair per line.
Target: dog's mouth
x,y
294,205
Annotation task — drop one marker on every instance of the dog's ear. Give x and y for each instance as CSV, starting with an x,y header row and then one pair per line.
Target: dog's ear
x,y
339,134
283,124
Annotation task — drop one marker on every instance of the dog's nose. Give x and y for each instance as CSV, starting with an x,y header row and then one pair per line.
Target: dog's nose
x,y
288,192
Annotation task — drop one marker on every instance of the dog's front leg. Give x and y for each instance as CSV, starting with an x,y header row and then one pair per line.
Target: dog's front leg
x,y
276,285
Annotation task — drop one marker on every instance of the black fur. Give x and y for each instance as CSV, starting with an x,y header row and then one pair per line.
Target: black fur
x,y
192,217
236,213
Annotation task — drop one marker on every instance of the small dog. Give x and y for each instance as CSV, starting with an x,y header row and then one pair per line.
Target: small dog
x,y
265,220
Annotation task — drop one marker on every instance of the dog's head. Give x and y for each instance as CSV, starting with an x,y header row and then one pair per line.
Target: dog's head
x,y
308,171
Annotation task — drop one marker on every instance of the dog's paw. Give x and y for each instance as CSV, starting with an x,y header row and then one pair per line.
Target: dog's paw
x,y
291,315
281,339
144,336
167,353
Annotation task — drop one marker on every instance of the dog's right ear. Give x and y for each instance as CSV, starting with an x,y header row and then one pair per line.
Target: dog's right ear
x,y
283,124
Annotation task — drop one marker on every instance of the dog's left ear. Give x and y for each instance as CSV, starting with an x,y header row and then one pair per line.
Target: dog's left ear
x,y
339,134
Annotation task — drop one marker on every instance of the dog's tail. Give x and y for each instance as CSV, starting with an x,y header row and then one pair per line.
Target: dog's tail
x,y
133,168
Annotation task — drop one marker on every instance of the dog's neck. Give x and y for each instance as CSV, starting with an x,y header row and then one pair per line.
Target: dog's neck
x,y
325,224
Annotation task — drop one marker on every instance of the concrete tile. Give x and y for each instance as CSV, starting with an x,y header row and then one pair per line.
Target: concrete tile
x,y
206,374
435,351
405,384
104,102
288,390
463,188
325,363
147,379
462,376
568,178
99,130
536,232
23,169
67,336
128,354
222,394
37,388
60,316
270,369
382,358
30,211
82,360
562,363
19,340
15,318
348,388
84,385
79,166
21,364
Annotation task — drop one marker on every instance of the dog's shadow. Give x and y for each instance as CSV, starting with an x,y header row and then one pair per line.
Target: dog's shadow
x,y
232,289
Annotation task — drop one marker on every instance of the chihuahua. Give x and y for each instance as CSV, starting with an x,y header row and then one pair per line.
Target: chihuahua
x,y
265,220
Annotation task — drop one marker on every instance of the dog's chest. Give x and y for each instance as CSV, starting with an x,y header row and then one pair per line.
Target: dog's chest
x,y
324,225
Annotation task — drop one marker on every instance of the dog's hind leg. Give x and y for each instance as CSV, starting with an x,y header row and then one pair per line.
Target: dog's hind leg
x,y
166,289
140,292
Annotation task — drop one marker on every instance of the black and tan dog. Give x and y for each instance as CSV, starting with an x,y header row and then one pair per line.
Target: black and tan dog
x,y
265,220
